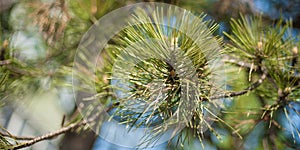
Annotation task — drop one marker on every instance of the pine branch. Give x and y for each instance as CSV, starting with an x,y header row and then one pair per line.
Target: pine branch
x,y
246,90
60,131
16,137
52,134
20,71
5,62
230,59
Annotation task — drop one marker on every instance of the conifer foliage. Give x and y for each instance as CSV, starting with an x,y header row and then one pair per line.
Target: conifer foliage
x,y
168,72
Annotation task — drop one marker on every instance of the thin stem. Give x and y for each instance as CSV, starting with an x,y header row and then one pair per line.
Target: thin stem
x,y
246,90
5,62
230,59
61,130
50,135
15,137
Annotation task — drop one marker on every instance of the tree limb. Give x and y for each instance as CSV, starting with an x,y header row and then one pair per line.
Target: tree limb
x,y
51,135
5,62
230,59
15,137
61,130
246,90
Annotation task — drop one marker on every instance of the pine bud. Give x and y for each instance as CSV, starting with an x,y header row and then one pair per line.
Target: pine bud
x,y
295,50
172,73
259,45
5,44
295,56
174,41
280,92
105,79
287,90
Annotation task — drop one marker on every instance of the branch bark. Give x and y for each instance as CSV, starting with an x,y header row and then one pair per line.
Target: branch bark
x,y
16,137
230,59
50,135
5,62
61,130
246,90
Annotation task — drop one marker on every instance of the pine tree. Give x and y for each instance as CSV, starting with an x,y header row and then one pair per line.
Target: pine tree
x,y
178,78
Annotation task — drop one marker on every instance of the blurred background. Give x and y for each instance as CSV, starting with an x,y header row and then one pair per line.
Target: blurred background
x,y
44,34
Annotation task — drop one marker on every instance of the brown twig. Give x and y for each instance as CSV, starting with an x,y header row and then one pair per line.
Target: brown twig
x,y
61,130
229,59
50,135
246,90
15,137
5,62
